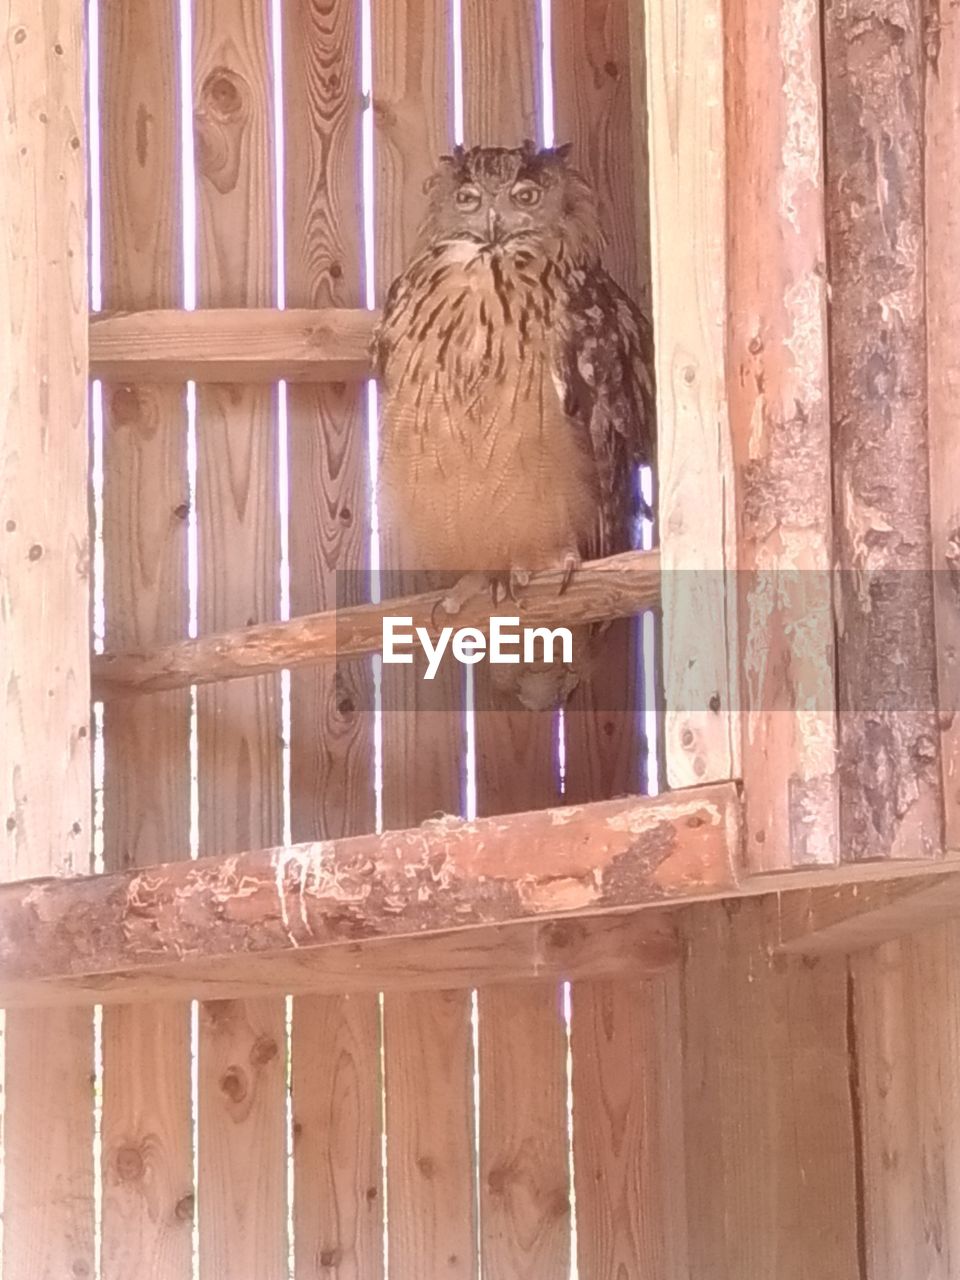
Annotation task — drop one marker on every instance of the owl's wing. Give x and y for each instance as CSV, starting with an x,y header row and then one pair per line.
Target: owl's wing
x,y
603,366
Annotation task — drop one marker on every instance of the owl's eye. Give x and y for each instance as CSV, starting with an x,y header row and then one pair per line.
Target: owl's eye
x,y
526,194
468,199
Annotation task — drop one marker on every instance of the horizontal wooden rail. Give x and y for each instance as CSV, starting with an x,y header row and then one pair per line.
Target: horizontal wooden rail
x,y
445,875
232,344
616,587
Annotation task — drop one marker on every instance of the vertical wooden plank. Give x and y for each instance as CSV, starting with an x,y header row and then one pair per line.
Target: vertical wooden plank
x,y
771,1145
45,784
427,1045
599,109
890,792
779,418
628,1129
942,212
147,1141
338,1203
241,1073
524,1167
697,520
907,1016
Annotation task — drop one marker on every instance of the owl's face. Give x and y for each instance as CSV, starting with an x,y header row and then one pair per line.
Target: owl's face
x,y
495,196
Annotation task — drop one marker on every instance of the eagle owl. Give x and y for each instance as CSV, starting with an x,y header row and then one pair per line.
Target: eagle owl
x,y
516,388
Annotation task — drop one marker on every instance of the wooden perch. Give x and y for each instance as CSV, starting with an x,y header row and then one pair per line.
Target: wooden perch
x,y
232,344
613,588
446,874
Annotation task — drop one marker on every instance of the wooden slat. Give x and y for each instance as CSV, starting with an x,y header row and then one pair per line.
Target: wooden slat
x,y
428,1060
941,145
242,1165
445,874
780,421
891,798
695,466
45,793
427,1049
338,1201
147,1142
524,1163
628,1128
906,1008
770,1130
598,110
615,587
233,344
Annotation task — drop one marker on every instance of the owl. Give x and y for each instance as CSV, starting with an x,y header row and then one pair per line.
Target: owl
x,y
516,393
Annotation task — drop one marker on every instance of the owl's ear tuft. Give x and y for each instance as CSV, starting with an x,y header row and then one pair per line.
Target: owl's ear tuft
x,y
563,151
447,166
529,148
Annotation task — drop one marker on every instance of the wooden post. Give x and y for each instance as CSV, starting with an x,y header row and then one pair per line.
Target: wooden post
x,y
338,1200
891,797
779,419
147,1160
697,519
46,821
942,228
242,1044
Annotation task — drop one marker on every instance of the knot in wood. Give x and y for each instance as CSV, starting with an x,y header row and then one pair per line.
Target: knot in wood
x,y
329,1258
183,1211
233,1083
264,1050
130,1166
125,406
222,94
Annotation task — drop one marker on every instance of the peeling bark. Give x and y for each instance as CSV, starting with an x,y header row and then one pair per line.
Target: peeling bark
x,y
889,778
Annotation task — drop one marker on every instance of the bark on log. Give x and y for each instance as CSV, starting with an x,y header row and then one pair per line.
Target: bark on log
x,y
613,588
446,874
891,802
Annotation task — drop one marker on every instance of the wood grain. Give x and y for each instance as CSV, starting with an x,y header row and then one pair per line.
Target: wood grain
x,y
697,519
628,1128
428,1063
891,798
616,587
771,1145
242,1046
146,1126
906,1003
780,421
524,1164
941,142
45,781
338,1201
598,109
255,344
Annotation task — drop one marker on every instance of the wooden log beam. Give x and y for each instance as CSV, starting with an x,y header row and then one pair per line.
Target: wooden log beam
x,y
446,874
639,944
232,344
613,588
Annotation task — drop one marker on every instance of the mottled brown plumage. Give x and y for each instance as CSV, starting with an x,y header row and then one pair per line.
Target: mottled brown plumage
x,y
516,383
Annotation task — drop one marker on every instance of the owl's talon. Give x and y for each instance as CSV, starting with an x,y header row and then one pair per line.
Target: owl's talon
x,y
519,580
463,590
571,564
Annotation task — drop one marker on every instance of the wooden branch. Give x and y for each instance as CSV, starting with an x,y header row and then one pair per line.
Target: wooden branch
x,y
639,944
232,344
446,874
616,587
851,917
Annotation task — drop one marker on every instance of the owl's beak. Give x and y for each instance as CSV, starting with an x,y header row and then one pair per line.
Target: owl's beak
x,y
494,226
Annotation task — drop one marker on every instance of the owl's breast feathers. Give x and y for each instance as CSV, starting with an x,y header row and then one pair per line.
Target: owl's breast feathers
x,y
489,344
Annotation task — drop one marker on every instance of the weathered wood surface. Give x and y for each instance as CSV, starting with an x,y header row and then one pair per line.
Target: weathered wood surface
x,y
447,873
905,1004
242,1058
941,149
46,826
146,1125
891,797
771,1139
335,1038
326,343
780,423
636,943
616,587
696,515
